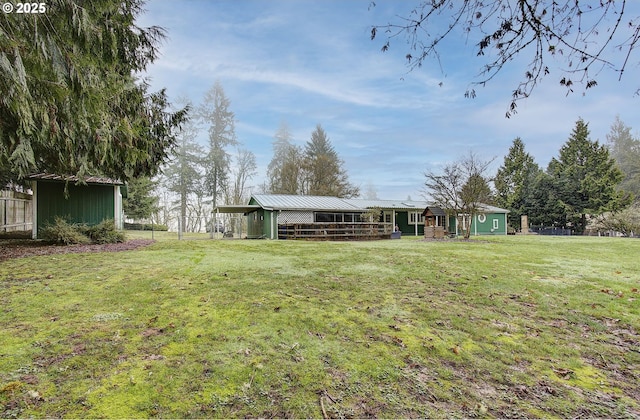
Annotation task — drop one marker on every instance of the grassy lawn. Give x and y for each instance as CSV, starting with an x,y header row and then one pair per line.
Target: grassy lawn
x,y
502,327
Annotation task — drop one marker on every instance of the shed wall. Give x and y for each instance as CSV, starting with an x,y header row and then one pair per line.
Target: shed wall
x,y
88,204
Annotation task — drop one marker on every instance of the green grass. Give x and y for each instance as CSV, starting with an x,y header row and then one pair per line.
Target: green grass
x,y
502,327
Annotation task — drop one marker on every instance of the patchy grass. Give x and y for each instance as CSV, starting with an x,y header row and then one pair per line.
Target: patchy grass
x,y
503,327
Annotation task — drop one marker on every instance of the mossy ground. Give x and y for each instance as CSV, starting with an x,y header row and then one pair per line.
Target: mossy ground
x,y
501,327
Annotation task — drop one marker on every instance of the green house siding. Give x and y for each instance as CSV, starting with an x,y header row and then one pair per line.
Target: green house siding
x,y
489,224
483,224
402,220
87,204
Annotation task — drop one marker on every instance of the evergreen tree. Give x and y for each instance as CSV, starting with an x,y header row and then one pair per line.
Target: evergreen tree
x,y
324,172
585,178
216,114
184,174
141,201
625,149
70,102
284,170
514,181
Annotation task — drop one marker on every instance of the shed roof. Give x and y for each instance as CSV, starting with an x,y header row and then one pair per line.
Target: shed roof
x,y
72,178
486,208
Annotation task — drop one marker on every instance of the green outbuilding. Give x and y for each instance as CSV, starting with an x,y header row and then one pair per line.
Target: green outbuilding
x,y
489,220
90,202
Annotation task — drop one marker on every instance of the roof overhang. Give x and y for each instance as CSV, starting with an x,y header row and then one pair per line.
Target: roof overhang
x,y
237,208
72,178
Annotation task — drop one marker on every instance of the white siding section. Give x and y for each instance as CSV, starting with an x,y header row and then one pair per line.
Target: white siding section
x,y
286,217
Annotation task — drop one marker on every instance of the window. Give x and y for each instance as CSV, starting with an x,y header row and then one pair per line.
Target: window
x,y
496,224
325,217
482,218
416,218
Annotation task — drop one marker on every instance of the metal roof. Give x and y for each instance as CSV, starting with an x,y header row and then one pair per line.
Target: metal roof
x,y
323,203
491,209
73,178
389,204
304,202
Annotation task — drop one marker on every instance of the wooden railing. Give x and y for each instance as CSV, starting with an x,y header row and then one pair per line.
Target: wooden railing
x,y
335,231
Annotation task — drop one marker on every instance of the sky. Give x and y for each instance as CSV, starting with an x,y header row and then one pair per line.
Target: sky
x,y
310,62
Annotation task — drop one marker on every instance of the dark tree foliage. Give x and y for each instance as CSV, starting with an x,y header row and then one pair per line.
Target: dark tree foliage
x,y
71,103
141,201
324,173
514,181
585,179
581,37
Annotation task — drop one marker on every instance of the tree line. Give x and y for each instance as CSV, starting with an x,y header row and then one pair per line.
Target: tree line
x,y
588,184
197,178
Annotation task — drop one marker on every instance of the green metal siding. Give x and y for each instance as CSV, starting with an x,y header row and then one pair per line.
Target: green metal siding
x,y
493,224
87,204
254,224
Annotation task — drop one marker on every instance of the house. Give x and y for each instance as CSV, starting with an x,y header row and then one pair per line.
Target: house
x,y
55,195
276,216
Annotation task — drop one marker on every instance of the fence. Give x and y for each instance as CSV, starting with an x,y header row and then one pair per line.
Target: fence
x,y
542,230
335,231
15,212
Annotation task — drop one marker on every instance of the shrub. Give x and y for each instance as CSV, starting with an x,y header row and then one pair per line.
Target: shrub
x,y
62,232
104,233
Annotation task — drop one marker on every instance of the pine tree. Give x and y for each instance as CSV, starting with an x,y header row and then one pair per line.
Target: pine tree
x,y
216,114
625,149
514,181
184,174
585,178
141,201
284,170
324,172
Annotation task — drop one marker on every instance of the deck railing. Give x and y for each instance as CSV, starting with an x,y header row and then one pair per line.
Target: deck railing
x,y
335,231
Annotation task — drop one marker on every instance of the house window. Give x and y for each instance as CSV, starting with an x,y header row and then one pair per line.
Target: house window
x,y
326,217
416,218
496,224
482,218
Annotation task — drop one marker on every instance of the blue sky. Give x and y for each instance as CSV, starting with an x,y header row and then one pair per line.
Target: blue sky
x,y
309,62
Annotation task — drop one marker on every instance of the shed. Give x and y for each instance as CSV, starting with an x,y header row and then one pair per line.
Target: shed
x,y
489,220
90,203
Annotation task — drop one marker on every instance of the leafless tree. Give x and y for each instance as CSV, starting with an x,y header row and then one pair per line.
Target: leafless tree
x,y
460,188
584,37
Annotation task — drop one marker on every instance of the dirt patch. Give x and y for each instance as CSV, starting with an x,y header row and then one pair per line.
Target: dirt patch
x,y
10,249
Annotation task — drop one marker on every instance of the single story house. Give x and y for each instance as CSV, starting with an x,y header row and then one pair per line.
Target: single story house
x,y
99,199
273,215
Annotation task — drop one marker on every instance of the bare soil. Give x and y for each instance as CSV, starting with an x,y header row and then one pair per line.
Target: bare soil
x,y
19,248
